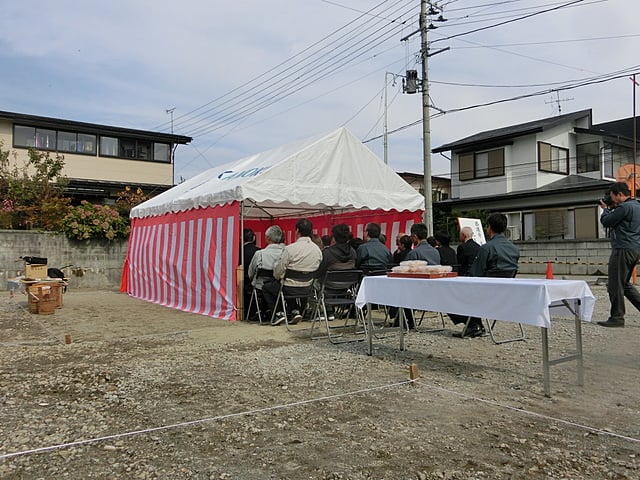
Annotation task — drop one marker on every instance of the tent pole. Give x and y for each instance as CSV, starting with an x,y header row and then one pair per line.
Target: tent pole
x,y
241,267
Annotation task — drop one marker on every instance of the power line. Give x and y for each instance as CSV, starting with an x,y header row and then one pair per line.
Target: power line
x,y
328,66
336,43
579,83
574,2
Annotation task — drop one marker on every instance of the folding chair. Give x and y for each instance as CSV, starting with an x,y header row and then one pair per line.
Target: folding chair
x,y
387,321
492,323
256,294
430,315
338,290
299,294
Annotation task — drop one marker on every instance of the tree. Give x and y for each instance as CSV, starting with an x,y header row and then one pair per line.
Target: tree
x,y
32,193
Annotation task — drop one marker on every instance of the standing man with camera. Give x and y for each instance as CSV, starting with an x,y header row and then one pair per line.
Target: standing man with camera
x,y
621,214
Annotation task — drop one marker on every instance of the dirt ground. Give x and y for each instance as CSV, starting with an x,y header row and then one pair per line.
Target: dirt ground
x,y
146,392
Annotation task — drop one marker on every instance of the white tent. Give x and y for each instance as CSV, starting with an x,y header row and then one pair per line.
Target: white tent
x,y
184,243
332,170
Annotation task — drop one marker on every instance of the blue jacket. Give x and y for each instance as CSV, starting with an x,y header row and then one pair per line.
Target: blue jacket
x,y
624,222
373,253
497,255
424,251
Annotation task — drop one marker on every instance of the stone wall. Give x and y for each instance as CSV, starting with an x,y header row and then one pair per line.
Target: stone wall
x,y
569,257
96,263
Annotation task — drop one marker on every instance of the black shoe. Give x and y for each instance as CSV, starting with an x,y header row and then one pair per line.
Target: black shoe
x,y
472,332
612,323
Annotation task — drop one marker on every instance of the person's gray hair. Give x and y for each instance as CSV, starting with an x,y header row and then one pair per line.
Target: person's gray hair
x,y
275,234
467,232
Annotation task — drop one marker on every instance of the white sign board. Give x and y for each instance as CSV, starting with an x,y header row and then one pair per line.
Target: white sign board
x,y
476,226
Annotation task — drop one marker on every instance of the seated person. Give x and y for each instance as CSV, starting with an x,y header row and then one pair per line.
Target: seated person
x,y
421,248
403,244
467,251
249,249
339,256
303,255
497,257
372,254
448,255
267,257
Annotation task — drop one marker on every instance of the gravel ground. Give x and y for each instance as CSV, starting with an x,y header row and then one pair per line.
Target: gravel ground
x,y
146,392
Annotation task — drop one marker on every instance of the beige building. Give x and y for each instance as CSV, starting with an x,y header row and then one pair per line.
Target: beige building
x,y
440,186
100,160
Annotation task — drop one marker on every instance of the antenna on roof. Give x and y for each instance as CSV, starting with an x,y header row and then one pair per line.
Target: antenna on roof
x,y
558,100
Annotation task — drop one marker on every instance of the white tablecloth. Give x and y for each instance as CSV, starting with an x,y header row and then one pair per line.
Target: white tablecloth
x,y
521,300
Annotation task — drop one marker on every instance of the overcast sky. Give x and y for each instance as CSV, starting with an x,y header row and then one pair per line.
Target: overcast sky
x,y
244,77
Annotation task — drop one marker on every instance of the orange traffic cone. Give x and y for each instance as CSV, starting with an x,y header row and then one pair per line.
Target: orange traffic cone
x,y
549,271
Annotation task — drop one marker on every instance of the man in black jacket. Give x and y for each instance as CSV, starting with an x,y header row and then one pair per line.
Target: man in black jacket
x,y
339,255
467,251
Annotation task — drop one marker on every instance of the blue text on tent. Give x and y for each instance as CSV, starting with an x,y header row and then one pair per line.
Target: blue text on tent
x,y
252,172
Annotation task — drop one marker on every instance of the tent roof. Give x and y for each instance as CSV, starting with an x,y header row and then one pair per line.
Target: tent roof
x,y
331,171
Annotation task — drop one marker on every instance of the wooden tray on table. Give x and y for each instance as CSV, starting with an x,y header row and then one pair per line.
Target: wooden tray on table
x,y
422,275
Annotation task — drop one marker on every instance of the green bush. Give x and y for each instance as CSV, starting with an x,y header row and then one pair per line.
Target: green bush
x,y
88,221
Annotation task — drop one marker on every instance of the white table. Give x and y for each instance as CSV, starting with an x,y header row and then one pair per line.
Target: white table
x,y
518,300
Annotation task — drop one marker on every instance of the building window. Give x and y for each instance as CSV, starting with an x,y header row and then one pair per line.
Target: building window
x,y
614,157
87,144
45,139
588,157
550,224
24,136
67,142
77,143
108,147
553,159
162,152
481,165
144,150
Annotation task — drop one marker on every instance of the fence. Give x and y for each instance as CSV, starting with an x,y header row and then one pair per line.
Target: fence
x,y
96,263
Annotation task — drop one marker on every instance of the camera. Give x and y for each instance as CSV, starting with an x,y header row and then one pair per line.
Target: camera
x,y
608,201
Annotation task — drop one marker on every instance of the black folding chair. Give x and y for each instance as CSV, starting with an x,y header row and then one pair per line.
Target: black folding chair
x,y
338,291
263,274
492,323
300,294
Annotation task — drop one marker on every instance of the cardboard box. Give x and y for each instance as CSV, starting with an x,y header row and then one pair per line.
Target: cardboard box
x,y
35,271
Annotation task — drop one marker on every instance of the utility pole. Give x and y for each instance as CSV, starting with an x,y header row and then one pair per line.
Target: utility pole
x,y
426,127
385,129
635,148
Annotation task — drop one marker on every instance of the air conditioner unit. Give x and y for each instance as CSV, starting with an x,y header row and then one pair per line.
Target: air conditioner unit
x,y
513,233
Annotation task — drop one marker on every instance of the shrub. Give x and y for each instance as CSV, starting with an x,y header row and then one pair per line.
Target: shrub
x,y
87,221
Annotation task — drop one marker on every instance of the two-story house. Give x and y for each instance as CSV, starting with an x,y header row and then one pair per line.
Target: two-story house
x,y
546,175
99,160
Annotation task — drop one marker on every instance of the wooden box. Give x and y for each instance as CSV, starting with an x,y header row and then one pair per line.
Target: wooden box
x,y
44,298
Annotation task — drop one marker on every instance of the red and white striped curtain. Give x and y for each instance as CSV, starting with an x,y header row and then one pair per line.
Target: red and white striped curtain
x,y
186,260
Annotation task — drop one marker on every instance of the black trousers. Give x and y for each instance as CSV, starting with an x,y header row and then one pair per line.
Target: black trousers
x,y
271,289
621,264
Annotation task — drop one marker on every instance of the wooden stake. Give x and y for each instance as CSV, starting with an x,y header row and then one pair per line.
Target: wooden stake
x,y
67,339
413,372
